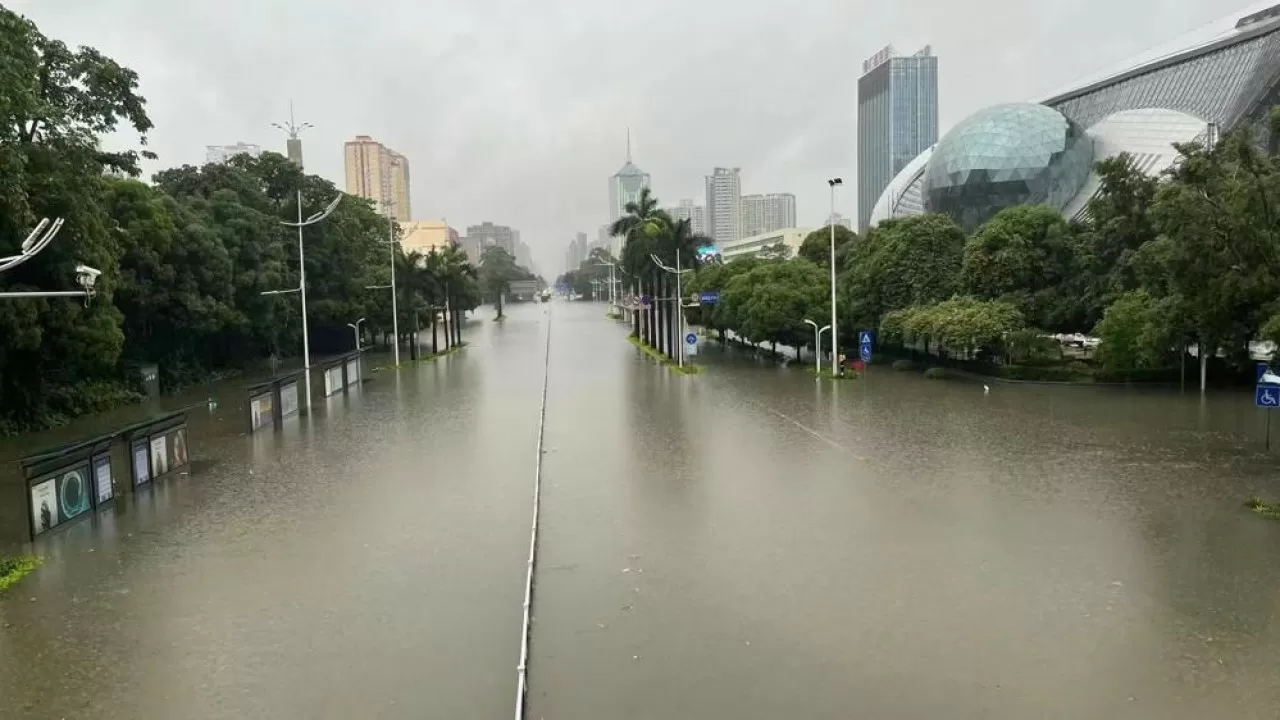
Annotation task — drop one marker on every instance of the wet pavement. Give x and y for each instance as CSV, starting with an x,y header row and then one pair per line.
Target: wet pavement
x,y
745,543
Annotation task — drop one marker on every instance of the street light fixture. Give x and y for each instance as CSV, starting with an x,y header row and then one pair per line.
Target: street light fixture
x,y
613,295
679,302
835,337
302,283
355,328
817,343
35,242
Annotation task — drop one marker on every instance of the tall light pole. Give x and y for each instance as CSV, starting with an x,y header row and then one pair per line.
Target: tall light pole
x,y
302,284
835,336
817,343
679,302
355,328
613,295
395,312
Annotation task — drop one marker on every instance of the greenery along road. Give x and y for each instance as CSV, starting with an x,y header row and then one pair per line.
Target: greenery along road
x,y
1156,265
185,261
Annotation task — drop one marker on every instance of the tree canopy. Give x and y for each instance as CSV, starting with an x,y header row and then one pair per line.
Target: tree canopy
x,y
184,261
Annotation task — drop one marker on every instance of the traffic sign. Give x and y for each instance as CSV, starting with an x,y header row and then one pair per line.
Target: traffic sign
x,y
865,352
709,297
1265,375
864,337
691,343
1267,396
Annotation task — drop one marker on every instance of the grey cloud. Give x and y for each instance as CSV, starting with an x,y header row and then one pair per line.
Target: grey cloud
x,y
516,111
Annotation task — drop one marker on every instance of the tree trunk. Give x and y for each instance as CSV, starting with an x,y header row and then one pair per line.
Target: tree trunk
x,y
457,321
435,345
635,316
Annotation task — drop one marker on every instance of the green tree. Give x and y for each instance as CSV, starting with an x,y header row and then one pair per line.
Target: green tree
x,y
1132,334
816,247
1025,255
770,301
776,252
901,263
58,357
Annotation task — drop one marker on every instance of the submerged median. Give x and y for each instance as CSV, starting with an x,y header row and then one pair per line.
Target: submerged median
x,y
656,354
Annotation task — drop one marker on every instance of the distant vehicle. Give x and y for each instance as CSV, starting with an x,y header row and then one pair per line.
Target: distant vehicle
x,y
523,290
546,295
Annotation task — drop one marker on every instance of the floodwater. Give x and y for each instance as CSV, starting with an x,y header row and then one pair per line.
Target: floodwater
x,y
745,543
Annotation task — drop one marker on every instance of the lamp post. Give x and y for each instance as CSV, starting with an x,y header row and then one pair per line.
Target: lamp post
x,y
613,295
835,337
395,313
817,343
302,284
679,299
36,241
355,328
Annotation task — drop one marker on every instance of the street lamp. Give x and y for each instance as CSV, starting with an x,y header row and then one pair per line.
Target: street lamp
x,y
355,328
835,337
35,242
679,302
817,342
302,283
613,296
395,312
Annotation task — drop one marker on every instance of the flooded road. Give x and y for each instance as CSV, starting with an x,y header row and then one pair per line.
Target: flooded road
x,y
745,543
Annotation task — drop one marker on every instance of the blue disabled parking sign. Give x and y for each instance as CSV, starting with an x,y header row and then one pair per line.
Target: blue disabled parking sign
x,y
1267,396
864,345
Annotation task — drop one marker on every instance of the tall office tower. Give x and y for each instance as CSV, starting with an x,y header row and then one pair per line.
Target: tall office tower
x,y
767,213
488,235
380,174
221,153
625,185
724,205
695,214
897,120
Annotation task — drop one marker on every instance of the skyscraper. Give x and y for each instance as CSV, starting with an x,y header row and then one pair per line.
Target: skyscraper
x,y
695,214
767,213
222,153
724,205
487,235
897,119
380,174
625,185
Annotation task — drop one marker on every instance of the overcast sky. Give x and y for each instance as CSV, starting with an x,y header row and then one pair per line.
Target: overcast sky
x,y
515,110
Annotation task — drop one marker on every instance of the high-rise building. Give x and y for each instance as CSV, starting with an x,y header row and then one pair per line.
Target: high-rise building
x,y
767,213
380,174
897,119
221,153
695,214
724,205
625,185
487,235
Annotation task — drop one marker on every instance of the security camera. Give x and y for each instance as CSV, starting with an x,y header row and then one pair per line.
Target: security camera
x,y
87,276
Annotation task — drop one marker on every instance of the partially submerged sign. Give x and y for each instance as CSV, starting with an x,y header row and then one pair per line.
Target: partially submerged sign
x,y
65,482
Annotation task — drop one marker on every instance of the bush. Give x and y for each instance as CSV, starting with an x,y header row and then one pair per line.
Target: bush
x,y
935,373
1040,373
905,366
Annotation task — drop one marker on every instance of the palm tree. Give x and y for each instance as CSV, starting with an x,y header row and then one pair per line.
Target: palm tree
x,y
637,228
459,278
678,246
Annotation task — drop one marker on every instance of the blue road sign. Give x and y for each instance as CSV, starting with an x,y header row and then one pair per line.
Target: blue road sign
x,y
865,351
710,297
1267,396
1264,375
691,339
864,338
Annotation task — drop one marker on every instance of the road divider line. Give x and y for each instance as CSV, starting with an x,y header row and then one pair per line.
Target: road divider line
x,y
522,670
817,434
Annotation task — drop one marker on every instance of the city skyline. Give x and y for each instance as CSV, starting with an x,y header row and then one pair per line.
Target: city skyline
x,y
498,133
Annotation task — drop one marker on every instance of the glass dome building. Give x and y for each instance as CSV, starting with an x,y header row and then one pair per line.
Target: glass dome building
x,y
1006,155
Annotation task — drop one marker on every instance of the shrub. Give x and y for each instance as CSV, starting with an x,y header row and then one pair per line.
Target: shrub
x,y
935,373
